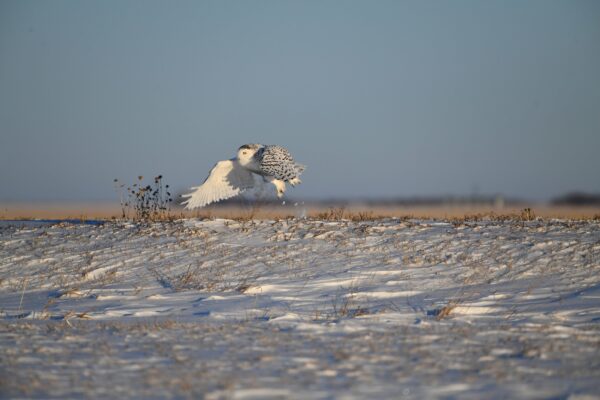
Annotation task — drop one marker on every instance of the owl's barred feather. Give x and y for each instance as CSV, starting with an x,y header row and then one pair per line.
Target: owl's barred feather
x,y
232,177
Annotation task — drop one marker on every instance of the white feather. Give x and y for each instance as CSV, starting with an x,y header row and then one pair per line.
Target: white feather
x,y
227,179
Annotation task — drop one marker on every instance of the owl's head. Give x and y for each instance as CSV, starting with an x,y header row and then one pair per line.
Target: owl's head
x,y
245,154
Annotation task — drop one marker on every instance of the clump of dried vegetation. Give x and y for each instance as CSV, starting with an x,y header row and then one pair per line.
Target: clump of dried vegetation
x,y
526,214
332,214
445,311
149,202
339,213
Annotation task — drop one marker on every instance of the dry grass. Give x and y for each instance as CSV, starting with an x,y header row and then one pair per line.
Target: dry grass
x,y
332,214
357,212
219,278
445,311
344,304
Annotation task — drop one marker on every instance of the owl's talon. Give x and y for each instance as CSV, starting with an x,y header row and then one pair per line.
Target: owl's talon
x,y
295,181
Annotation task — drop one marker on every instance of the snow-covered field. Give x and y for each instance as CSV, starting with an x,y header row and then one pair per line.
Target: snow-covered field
x,y
301,309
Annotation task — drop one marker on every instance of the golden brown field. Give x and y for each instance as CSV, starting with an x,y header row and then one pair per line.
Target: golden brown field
x,y
108,210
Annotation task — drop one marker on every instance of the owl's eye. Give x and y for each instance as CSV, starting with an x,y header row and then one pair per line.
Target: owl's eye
x,y
243,152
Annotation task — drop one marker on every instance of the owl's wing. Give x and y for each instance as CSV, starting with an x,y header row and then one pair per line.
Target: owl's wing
x,y
227,179
300,168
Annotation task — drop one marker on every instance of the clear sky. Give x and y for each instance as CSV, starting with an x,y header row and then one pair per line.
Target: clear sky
x,y
378,98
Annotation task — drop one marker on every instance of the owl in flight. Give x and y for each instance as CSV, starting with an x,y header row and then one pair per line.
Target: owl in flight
x,y
254,165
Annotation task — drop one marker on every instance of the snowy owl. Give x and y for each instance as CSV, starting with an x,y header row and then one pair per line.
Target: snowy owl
x,y
254,165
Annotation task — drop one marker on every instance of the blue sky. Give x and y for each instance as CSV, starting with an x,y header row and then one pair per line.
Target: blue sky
x,y
378,98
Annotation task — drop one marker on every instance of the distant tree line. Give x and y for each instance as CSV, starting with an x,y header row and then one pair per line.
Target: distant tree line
x,y
577,199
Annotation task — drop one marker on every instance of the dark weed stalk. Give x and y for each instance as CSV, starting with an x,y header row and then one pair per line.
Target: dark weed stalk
x,y
150,202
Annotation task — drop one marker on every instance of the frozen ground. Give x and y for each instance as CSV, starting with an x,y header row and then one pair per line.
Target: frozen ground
x,y
301,309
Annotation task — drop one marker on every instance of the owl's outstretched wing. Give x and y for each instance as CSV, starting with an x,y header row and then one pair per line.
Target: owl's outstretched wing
x,y
227,179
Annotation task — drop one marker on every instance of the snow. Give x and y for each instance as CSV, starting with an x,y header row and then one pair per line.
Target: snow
x,y
301,309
